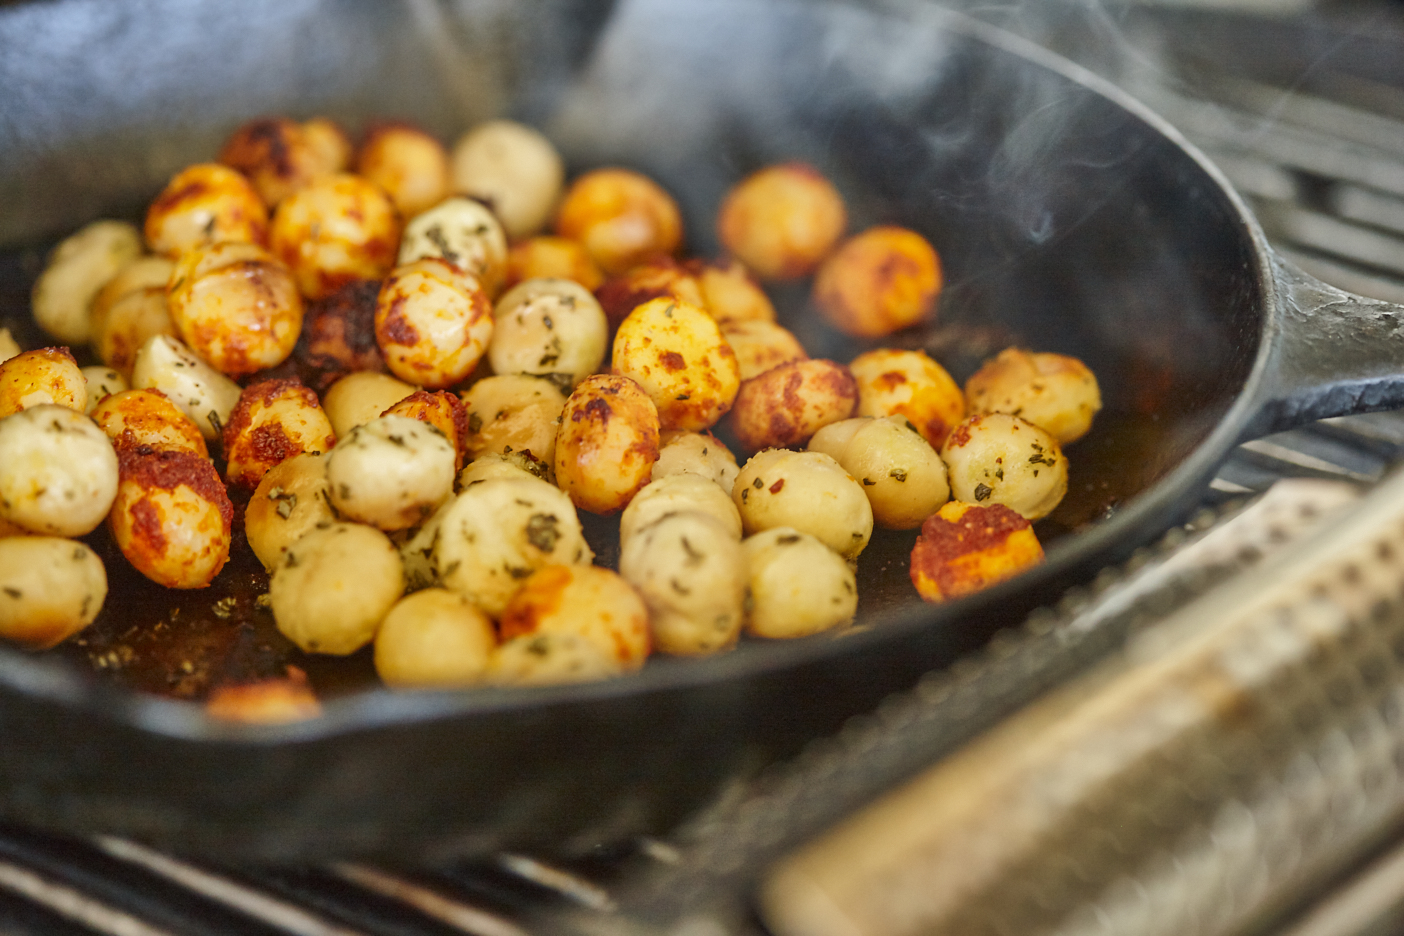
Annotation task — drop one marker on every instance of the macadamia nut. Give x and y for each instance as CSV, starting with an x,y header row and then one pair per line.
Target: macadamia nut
x,y
622,217
607,443
273,421
58,472
783,220
965,547
359,397
677,354
692,573
674,494
699,453
434,639
587,601
172,517
81,265
147,417
808,491
1001,459
335,230
202,205
787,404
130,310
1055,392
50,589
513,168
334,586
550,328
292,498
798,586
409,164
513,415
904,478
39,377
433,323
392,472
911,385
885,279
201,392
464,233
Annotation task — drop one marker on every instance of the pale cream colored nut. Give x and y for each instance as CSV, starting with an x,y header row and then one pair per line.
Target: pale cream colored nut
x,y
904,478
408,163
911,385
798,586
677,354
464,233
444,411
585,600
781,221
692,574
808,491
730,294
50,589
622,217
131,309
787,404
676,493
551,659
281,156
101,382
235,306
201,392
433,323
149,418
205,204
58,472
513,414
392,472
607,443
291,499
1057,393
172,517
551,328
699,453
80,266
492,465
338,229
9,347
334,586
760,345
41,376
498,532
434,639
273,420
1001,459
361,396
513,168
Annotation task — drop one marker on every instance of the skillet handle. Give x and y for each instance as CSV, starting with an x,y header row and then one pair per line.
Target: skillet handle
x,y
1333,354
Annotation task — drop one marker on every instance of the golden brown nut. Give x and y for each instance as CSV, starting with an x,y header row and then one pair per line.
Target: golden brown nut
x,y
513,414
761,345
338,229
360,397
885,279
273,421
911,385
281,156
607,443
782,220
1001,459
409,164
131,309
551,328
44,375
50,588
1055,392
172,517
965,547
676,353
462,232
329,142
588,601
266,701
659,277
787,404
58,474
622,217
79,266
514,169
434,638
149,418
292,499
235,306
334,586
202,205
338,335
433,323
444,411
548,257
731,295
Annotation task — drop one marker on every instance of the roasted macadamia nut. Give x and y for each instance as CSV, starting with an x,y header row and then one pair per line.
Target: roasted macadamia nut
x,y
761,345
464,233
129,310
358,398
80,266
550,659
692,574
334,586
729,292
172,518
514,169
329,142
787,404
911,385
50,589
235,306
337,229
492,465
433,323
434,639
882,280
607,443
44,375
904,478
659,277
442,410
584,600
676,353
409,164
498,532
273,421
549,328
782,220
292,499
58,472
392,472
338,335
965,547
513,414
1001,459
273,701
622,217
808,491
699,453
674,494
549,257
1055,392
202,393
798,586
147,417
281,156
202,205
101,383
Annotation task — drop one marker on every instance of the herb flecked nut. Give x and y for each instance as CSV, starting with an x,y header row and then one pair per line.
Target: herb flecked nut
x,y
807,491
50,588
334,586
392,472
1001,459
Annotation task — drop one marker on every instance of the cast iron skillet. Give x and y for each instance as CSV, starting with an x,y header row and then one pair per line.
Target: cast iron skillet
x,y
1068,218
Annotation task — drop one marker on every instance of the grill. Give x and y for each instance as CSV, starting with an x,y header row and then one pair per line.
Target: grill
x,y
1307,122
